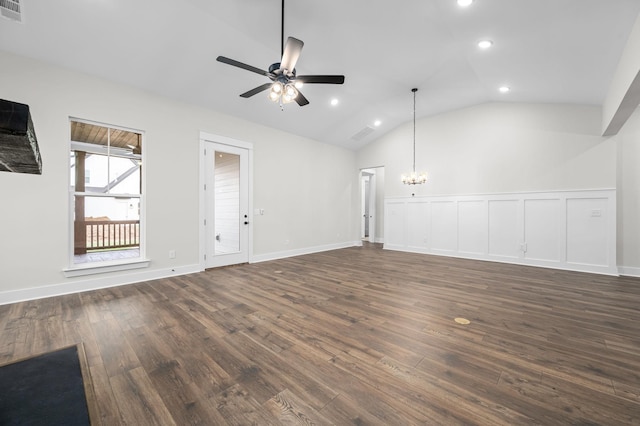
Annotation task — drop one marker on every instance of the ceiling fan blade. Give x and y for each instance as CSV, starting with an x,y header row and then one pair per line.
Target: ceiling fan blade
x,y
235,63
257,90
301,100
291,54
320,79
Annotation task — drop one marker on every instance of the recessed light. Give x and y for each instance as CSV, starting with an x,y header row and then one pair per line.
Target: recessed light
x,y
377,123
334,102
485,44
504,89
464,3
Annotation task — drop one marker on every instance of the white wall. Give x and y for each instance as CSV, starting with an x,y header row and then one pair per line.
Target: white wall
x,y
308,198
629,196
304,186
499,147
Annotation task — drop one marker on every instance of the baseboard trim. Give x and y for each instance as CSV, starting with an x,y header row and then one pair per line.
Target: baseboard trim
x,y
78,286
299,252
629,271
563,266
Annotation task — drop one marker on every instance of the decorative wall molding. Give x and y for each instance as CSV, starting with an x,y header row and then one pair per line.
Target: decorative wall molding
x,y
572,230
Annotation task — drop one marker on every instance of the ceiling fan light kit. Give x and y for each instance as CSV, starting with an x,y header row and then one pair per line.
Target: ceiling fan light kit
x,y
414,178
286,85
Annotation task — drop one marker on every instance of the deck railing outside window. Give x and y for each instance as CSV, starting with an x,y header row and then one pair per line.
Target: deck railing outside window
x,y
112,234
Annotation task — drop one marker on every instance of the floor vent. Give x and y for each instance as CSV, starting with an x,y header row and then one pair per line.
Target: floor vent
x,y
363,133
11,9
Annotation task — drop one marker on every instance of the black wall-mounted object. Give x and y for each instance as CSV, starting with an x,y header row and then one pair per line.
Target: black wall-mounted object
x,y
19,151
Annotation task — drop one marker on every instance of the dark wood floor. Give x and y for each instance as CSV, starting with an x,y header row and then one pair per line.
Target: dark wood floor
x,y
353,336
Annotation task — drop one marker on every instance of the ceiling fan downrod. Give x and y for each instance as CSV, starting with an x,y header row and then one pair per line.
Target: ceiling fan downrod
x,y
282,31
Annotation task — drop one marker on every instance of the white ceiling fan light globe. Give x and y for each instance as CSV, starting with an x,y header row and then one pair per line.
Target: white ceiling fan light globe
x,y
276,91
274,96
290,93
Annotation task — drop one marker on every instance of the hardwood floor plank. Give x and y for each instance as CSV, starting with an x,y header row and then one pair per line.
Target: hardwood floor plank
x,y
138,400
116,353
237,407
108,411
291,410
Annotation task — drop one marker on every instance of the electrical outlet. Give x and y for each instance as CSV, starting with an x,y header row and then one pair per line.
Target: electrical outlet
x,y
172,254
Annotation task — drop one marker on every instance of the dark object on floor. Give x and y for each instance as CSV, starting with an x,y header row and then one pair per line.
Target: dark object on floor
x,y
19,151
45,390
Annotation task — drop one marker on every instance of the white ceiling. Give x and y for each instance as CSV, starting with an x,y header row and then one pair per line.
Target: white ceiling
x,y
560,51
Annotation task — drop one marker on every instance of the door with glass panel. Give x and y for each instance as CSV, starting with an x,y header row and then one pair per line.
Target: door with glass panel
x,y
227,204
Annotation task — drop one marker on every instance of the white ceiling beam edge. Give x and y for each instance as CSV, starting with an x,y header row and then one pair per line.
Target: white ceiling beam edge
x,y
623,96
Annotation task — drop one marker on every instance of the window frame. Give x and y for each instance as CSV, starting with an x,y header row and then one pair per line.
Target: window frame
x,y
79,269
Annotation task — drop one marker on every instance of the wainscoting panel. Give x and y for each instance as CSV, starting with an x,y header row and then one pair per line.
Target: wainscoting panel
x,y
541,230
472,226
583,247
396,224
504,230
444,226
418,220
573,230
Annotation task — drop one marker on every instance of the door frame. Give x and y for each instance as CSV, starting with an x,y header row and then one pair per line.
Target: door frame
x,y
206,138
364,177
373,215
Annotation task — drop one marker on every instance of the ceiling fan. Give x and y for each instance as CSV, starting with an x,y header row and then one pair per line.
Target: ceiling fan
x,y
284,83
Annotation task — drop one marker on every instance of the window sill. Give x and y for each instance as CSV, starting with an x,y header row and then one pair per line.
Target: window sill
x,y
102,267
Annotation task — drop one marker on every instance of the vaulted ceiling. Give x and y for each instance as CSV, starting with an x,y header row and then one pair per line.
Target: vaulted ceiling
x,y
558,51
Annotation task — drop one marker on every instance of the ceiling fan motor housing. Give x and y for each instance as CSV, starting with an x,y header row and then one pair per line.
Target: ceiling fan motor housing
x,y
275,69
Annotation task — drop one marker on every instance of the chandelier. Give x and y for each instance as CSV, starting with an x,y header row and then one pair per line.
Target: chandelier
x,y
414,178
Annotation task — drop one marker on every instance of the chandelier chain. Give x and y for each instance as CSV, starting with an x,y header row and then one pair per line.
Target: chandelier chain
x,y
414,128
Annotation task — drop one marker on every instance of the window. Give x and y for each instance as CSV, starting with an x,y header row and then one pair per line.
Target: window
x,y
106,194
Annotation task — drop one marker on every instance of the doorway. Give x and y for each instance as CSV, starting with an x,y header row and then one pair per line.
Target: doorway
x,y
372,198
226,190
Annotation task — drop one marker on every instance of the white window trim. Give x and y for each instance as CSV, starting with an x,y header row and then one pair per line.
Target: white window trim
x,y
82,269
102,267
